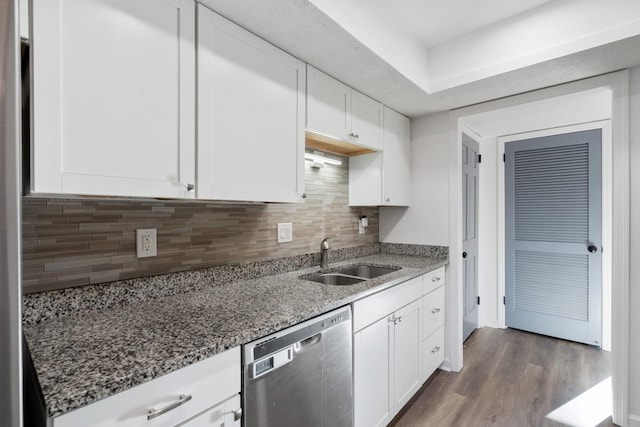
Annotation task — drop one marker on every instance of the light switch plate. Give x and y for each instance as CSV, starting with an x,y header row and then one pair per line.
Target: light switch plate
x,y
146,242
285,232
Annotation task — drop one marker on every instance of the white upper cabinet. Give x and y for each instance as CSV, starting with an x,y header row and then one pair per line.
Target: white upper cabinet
x,y
383,179
337,111
114,97
396,159
251,100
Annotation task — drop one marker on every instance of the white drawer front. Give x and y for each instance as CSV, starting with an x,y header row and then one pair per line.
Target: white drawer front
x,y
432,353
207,382
432,311
432,280
370,309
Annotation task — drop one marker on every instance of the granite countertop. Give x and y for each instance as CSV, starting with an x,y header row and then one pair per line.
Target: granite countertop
x,y
84,358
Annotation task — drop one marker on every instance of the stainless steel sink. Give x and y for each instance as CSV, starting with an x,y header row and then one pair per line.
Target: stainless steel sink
x,y
350,274
366,271
333,279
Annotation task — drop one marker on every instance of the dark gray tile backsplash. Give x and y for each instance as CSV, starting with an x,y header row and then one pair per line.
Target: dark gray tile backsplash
x,y
72,242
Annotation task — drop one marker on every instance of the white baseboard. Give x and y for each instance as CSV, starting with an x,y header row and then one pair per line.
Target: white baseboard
x,y
634,420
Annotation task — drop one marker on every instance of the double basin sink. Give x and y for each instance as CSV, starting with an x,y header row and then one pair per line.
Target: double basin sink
x,y
350,274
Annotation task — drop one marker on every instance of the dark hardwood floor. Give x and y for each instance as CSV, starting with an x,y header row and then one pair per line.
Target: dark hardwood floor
x,y
510,378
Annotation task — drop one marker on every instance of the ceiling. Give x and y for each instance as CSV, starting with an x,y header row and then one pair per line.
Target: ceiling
x,y
425,56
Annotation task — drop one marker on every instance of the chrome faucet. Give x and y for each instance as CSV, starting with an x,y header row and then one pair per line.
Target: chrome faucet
x,y
324,253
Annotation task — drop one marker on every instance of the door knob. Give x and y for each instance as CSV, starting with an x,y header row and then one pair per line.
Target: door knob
x,y
592,249
464,254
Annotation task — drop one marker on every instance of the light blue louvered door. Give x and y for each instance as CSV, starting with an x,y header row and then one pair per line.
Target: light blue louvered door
x,y
553,276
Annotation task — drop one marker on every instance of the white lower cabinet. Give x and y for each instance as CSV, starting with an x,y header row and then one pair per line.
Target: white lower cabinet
x,y
371,375
398,343
386,352
225,414
205,393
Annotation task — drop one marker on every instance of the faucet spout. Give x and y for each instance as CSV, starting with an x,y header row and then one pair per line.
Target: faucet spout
x,y
324,253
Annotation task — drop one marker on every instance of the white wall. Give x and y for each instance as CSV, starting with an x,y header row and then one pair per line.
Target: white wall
x,y
426,221
634,282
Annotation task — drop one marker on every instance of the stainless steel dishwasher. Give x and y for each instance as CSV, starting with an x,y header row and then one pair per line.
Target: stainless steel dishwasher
x,y
301,376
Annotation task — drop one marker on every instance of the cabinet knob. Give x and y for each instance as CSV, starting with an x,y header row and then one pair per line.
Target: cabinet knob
x,y
191,187
435,350
435,279
237,414
435,311
592,249
388,199
303,195
464,254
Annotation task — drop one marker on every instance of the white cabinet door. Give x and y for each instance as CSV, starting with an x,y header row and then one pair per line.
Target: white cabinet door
x,y
371,370
250,116
407,341
114,97
365,180
328,105
396,169
222,415
366,121
383,178
337,111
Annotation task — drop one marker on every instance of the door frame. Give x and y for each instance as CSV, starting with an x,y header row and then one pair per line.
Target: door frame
x,y
618,83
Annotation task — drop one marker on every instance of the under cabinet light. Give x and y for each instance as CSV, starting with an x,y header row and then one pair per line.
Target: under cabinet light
x,y
322,159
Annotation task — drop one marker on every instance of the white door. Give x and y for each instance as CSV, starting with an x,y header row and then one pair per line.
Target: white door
x,y
553,235
470,157
114,97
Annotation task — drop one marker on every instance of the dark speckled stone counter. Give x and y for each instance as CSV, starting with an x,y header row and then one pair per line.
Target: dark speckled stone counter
x,y
83,358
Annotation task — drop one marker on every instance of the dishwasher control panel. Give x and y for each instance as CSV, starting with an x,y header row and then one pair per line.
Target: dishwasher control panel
x,y
269,363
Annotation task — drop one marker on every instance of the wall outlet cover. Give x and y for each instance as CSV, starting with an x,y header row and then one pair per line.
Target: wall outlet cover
x,y
285,232
146,242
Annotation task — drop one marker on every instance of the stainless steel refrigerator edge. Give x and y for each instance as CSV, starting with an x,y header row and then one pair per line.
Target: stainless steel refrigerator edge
x,y
10,247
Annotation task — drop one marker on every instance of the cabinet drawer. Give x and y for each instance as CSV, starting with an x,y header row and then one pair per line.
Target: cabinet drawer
x,y
207,382
368,310
432,311
432,353
433,280
220,415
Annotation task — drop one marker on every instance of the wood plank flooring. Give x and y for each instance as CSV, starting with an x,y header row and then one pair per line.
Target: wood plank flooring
x,y
510,378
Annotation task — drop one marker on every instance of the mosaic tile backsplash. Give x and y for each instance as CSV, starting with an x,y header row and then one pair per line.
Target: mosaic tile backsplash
x,y
73,242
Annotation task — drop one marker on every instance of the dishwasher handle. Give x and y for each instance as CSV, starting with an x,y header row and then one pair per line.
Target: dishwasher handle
x,y
302,345
270,363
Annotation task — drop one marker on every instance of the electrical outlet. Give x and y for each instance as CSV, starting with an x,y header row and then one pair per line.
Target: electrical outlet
x,y
146,242
285,232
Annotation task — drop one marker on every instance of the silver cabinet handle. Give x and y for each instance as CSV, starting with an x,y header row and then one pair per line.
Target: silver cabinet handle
x,y
435,350
237,414
353,134
435,310
303,195
435,279
153,413
393,319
